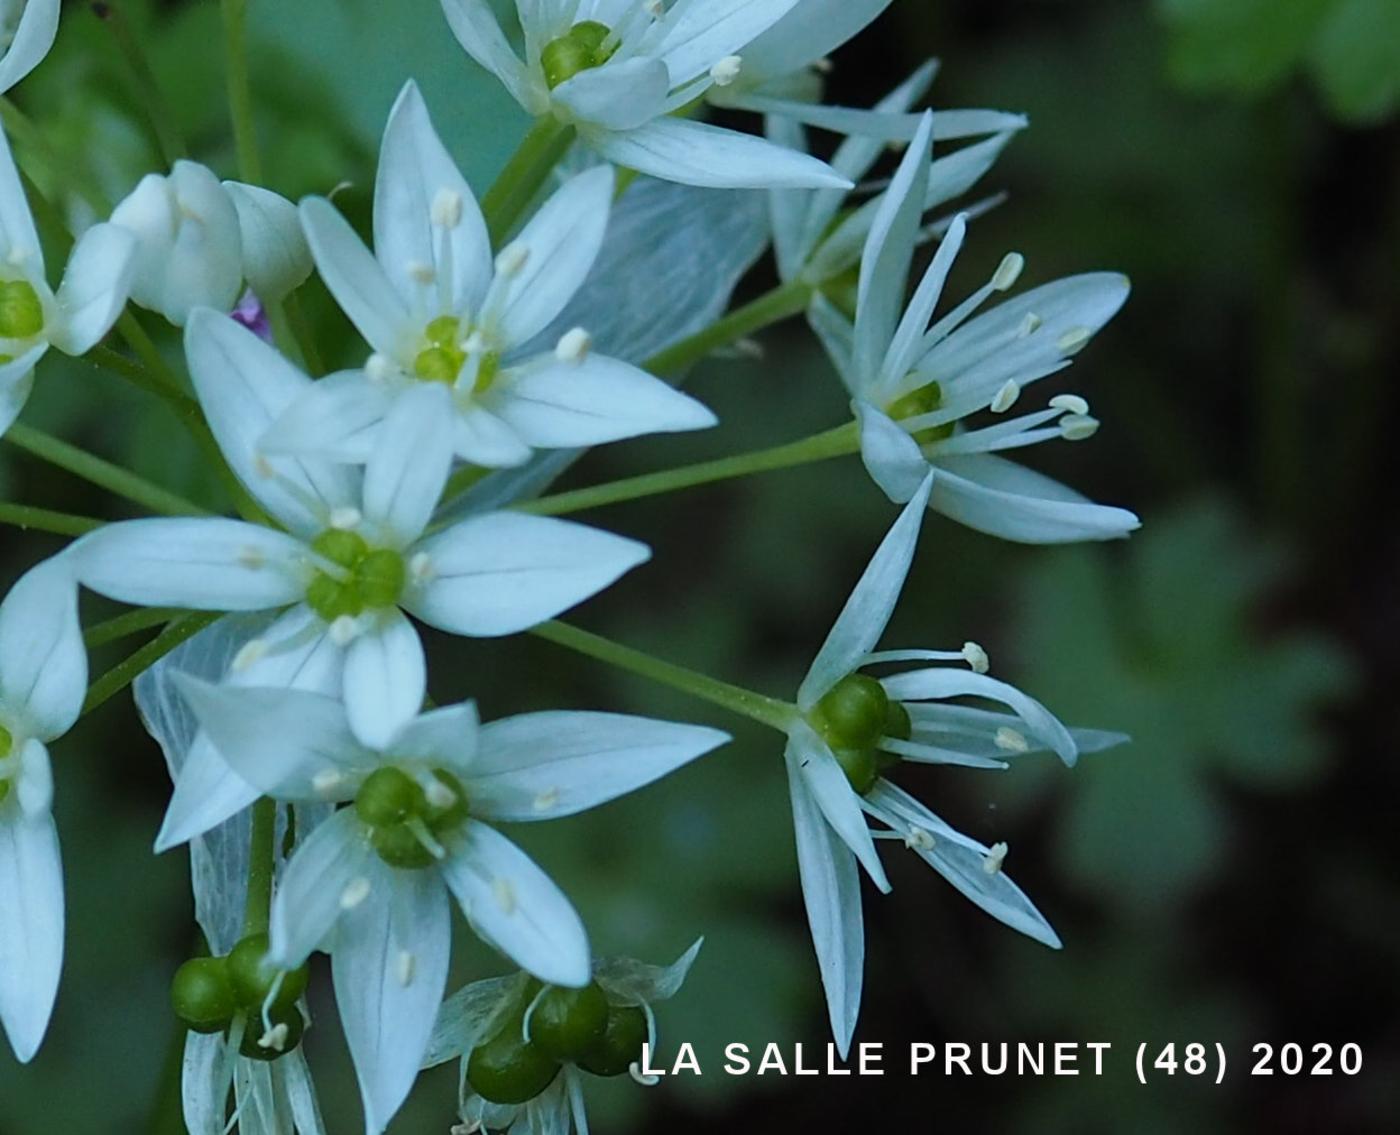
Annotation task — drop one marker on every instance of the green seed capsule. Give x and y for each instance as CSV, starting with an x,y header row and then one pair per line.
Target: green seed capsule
x,y
253,979
340,546
280,1043
380,577
438,364
201,993
861,766
580,49
331,599
444,331
21,312
567,1024
509,1070
621,1045
399,847
387,797
852,714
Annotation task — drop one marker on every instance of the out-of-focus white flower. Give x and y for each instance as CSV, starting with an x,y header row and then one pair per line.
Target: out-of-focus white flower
x,y
43,678
619,70
378,872
32,316
199,239
853,729
27,31
439,314
913,386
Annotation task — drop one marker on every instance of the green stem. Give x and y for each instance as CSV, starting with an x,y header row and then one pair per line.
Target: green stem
x,y
765,710
124,673
839,442
133,622
46,520
781,303
172,145
262,852
528,169
240,94
141,378
89,467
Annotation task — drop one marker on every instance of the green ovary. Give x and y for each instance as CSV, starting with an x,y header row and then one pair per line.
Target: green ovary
x,y
581,48
852,718
925,400
374,576
21,311
442,359
400,813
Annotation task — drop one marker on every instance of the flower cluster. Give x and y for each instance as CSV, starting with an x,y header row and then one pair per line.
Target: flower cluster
x,y
327,802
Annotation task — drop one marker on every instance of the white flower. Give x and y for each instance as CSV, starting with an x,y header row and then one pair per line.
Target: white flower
x,y
270,1097
32,316
619,70
355,555
438,315
378,872
27,31
913,387
198,239
43,678
853,728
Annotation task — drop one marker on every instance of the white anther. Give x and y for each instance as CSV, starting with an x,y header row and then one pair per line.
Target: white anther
x,y
919,839
995,857
574,346
474,344
727,70
344,630
655,8
356,891
438,794
422,273
447,209
1074,339
1069,403
346,519
976,657
1029,326
1006,397
251,558
1078,427
407,966
327,782
1008,271
420,567
546,800
253,651
18,255
262,466
504,894
275,1038
646,1079
512,260
823,66
1010,740
379,368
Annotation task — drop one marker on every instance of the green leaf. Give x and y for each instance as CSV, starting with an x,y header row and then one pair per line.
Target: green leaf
x,y
1244,46
1356,60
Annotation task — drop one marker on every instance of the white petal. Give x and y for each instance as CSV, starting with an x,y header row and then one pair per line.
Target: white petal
x,y
17,232
831,894
695,36
447,737
622,96
301,1093
474,24
893,458
43,663
356,279
415,171
1002,499
501,573
276,257
388,1021
516,907
904,348
410,464
33,36
867,612
386,680
832,792
334,419
563,239
204,564
695,153
597,400
31,929
481,438
244,385
634,982
808,33
207,792
94,288
312,894
17,383
204,1082
538,766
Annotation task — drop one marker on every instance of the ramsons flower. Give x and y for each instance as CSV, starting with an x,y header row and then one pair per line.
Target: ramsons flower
x,y
621,70
417,827
854,730
33,317
351,556
525,1048
199,240
43,677
913,387
27,31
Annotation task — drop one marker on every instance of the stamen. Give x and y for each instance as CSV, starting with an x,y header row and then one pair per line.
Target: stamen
x,y
727,70
919,839
1073,340
356,891
379,368
344,630
823,66
251,558
407,966
346,519
438,794
976,657
421,273
447,209
1008,272
420,567
252,652
1006,397
327,782
423,834
512,260
546,800
1078,427
1029,326
574,346
995,857
262,466
504,893
275,1038
1069,403
1011,740
647,1080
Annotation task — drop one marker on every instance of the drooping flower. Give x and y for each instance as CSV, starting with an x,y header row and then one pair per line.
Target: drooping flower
x,y
437,314
199,239
354,556
27,31
853,730
913,386
378,872
620,70
33,317
525,1048
43,678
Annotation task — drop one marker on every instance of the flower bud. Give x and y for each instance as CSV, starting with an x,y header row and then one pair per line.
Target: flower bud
x,y
276,257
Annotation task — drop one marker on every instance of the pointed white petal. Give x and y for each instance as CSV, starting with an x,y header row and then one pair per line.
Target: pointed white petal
x,y
832,792
334,419
386,679
475,26
43,664
516,907
301,1093
481,438
904,348
33,36
409,467
893,458
867,612
806,34
94,288
542,765
620,97
31,928
17,383
633,982
445,737
502,573
330,867
18,235
276,257
204,1083
207,792
696,36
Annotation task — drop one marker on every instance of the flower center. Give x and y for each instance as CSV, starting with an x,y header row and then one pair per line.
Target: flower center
x,y
447,352
852,717
374,577
925,400
408,818
583,47
21,312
